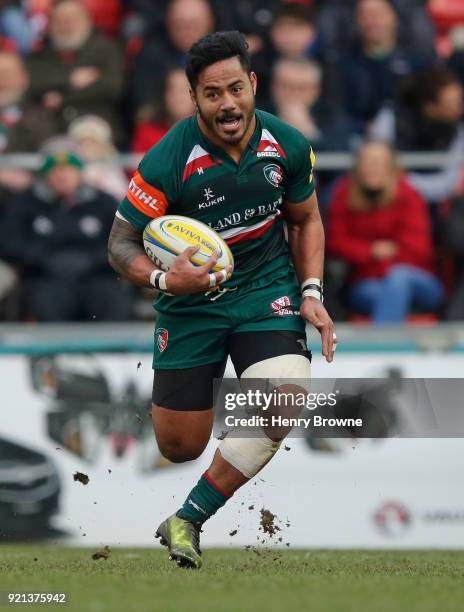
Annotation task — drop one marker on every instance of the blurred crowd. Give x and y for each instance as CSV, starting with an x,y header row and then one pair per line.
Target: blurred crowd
x,y
82,81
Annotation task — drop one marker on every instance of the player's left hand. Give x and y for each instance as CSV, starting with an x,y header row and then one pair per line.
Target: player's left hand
x,y
313,311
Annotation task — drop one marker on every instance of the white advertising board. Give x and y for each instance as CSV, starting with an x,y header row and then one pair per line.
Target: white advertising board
x,y
392,493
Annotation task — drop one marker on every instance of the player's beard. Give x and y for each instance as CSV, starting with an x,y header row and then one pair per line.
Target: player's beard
x,y
216,127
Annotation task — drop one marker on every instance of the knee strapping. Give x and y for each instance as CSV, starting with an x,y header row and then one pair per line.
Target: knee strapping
x,y
248,455
281,370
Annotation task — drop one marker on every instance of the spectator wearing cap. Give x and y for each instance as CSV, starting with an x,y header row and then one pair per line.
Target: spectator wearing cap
x,y
376,63
156,119
56,235
94,143
77,71
379,225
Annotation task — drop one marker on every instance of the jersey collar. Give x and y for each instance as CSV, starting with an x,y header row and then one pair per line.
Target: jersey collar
x,y
219,152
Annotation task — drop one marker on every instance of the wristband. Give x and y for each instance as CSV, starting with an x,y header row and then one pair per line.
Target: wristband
x,y
312,287
312,281
314,294
158,280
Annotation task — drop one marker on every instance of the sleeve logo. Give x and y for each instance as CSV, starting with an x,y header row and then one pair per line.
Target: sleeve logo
x,y
147,199
312,159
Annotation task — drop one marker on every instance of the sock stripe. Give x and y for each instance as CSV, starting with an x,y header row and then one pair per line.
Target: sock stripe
x,y
217,487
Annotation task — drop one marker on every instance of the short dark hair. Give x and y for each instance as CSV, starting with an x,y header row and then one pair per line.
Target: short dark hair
x,y
296,11
214,48
424,87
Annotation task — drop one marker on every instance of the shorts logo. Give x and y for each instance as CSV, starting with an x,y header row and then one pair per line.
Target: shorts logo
x,y
162,336
273,174
279,306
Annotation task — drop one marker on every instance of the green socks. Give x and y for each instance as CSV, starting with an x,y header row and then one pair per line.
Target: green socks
x,y
203,501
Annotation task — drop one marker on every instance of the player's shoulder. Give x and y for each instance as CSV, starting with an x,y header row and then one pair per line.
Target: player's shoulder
x,y
290,139
160,171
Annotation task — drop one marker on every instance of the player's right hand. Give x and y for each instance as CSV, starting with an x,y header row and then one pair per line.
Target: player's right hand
x,y
184,277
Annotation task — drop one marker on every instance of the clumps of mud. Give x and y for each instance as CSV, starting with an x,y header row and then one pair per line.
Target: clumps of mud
x,y
81,477
269,523
103,553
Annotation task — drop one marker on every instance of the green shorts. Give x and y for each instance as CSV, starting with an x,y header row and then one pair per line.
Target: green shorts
x,y
198,334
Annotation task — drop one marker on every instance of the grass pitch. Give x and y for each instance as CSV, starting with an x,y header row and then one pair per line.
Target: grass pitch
x,y
143,580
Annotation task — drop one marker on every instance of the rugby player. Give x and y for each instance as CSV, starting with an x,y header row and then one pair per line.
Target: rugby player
x,y
243,172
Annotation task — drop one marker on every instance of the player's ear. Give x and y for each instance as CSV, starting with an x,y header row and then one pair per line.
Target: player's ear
x,y
193,97
254,81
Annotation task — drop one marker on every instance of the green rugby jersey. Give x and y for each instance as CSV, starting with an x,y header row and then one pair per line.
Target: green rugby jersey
x,y
186,174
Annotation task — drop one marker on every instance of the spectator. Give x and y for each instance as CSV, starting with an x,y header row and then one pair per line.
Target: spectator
x,y
252,17
292,35
94,144
380,226
373,67
56,234
186,22
145,17
336,23
428,118
23,126
77,72
156,119
296,90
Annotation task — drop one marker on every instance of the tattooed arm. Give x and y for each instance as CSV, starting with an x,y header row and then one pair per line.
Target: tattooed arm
x,y
127,255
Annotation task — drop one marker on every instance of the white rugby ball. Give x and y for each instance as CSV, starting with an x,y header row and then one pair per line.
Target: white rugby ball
x,y
166,237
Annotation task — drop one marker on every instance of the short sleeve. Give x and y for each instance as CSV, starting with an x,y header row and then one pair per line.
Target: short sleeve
x,y
146,198
300,180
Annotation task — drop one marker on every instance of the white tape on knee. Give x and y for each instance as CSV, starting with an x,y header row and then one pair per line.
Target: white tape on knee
x,y
278,370
248,455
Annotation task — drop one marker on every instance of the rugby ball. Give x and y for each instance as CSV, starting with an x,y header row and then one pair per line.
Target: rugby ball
x,y
166,237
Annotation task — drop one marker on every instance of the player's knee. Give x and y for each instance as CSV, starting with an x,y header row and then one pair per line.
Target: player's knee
x,y
177,451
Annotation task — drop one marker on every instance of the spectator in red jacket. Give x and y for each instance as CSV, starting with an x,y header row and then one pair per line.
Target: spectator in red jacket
x,y
380,226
